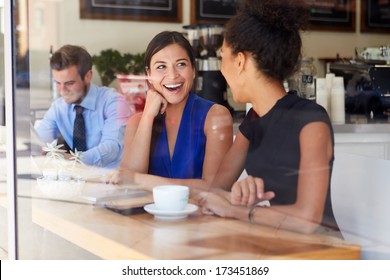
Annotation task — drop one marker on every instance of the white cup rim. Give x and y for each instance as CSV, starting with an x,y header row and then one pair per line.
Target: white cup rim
x,y
171,197
170,186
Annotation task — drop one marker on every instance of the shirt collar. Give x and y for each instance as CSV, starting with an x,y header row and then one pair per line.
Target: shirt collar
x,y
89,101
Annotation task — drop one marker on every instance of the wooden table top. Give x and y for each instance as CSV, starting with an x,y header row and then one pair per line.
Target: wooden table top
x,y
110,235
113,236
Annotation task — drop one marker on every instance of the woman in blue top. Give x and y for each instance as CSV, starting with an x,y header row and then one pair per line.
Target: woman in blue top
x,y
179,137
285,142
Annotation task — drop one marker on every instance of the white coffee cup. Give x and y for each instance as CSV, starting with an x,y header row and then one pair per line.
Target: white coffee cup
x,y
171,197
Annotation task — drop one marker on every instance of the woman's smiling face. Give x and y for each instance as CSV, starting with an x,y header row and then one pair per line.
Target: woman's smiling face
x,y
172,73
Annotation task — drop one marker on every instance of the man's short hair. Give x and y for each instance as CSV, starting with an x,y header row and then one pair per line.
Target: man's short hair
x,y
69,55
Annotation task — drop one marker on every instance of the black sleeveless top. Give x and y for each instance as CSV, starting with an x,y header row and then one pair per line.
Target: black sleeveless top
x,y
274,151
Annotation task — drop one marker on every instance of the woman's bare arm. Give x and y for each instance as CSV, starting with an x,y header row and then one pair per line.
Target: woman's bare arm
x,y
306,213
219,137
139,134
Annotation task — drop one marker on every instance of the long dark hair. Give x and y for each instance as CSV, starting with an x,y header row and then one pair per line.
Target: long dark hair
x,y
164,39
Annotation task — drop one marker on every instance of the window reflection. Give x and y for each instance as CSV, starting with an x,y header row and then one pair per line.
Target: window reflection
x,y
41,26
3,167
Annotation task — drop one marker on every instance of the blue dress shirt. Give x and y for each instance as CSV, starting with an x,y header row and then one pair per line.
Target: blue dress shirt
x,y
105,113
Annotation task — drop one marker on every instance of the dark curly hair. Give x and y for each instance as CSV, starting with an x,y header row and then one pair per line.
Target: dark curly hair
x,y
269,31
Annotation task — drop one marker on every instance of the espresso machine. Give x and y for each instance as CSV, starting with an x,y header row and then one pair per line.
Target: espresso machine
x,y
366,81
206,40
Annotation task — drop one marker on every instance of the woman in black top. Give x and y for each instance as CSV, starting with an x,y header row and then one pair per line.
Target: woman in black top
x,y
285,142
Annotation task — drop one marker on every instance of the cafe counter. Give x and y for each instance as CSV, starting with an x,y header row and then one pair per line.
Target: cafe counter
x,y
370,139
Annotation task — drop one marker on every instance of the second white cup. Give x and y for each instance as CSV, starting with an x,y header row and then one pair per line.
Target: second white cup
x,y
171,197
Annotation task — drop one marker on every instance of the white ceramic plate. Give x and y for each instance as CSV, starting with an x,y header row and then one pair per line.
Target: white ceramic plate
x,y
170,215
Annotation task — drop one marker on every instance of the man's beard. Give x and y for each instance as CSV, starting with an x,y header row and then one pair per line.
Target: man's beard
x,y
85,90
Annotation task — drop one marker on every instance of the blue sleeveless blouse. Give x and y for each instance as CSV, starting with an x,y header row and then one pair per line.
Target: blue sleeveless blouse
x,y
190,147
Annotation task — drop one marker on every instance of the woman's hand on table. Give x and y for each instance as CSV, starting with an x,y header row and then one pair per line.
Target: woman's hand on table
x,y
249,191
112,177
118,176
212,203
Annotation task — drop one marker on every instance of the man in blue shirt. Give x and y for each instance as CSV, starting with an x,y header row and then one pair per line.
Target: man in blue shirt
x,y
105,111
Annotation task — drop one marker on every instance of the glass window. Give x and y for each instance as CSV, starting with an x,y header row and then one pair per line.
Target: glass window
x,y
50,226
3,150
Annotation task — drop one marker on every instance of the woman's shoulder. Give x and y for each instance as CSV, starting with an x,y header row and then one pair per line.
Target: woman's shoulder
x,y
300,104
220,110
218,116
306,111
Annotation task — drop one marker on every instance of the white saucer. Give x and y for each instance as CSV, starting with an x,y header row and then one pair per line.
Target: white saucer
x,y
170,215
